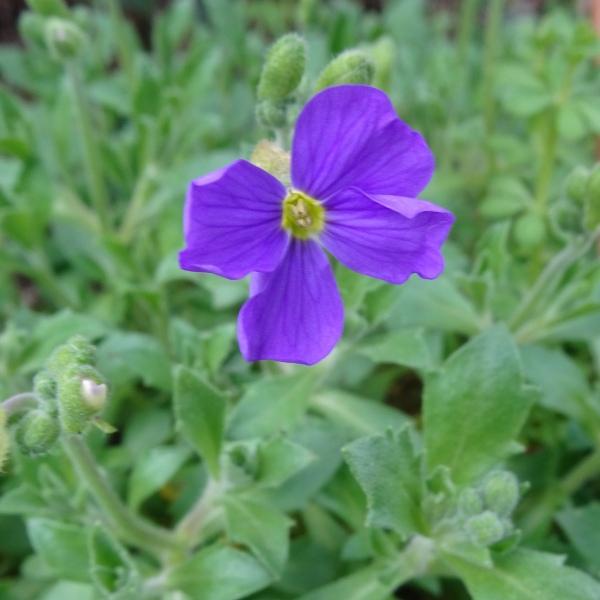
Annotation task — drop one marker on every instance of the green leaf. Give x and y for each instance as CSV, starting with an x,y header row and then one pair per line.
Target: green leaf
x,y
112,569
153,470
279,459
476,406
219,573
388,469
434,305
526,575
127,356
260,527
63,547
24,500
200,413
563,385
361,585
361,415
272,405
581,526
405,347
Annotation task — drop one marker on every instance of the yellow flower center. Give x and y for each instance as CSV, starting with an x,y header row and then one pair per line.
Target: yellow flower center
x,y
302,216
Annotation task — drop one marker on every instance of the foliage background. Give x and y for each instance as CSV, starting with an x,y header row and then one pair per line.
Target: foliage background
x,y
493,366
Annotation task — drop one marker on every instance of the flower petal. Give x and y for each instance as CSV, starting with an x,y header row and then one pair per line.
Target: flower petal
x,y
350,135
295,313
387,237
232,222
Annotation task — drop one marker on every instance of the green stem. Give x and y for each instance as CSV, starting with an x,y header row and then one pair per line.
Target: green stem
x,y
127,525
120,32
189,528
91,156
19,403
492,33
587,469
141,192
549,277
546,163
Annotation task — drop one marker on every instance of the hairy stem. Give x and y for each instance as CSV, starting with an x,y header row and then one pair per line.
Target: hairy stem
x,y
19,403
91,157
190,526
544,284
127,525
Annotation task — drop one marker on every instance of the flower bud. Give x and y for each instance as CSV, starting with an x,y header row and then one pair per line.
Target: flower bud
x,y
501,493
77,351
272,114
81,395
576,183
37,432
351,66
63,38
4,439
31,28
485,529
529,231
592,200
383,52
273,159
49,8
284,68
470,502
44,385
94,394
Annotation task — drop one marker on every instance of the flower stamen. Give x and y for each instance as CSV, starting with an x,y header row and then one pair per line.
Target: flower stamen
x,y
302,216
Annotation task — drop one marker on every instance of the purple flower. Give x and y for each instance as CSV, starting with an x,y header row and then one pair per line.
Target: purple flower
x,y
356,170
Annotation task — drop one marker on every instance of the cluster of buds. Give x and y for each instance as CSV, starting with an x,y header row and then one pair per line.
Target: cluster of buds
x,y
479,514
284,68
51,26
67,396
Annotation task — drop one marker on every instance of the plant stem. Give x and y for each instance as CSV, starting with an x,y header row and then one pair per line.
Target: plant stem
x,y
492,34
550,275
585,470
127,525
91,157
19,403
546,164
120,32
192,523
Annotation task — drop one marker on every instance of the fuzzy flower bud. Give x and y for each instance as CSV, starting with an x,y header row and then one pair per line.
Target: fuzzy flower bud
x,y
485,529
576,183
592,200
49,8
529,231
37,433
63,38
4,439
94,394
383,52
470,502
44,385
501,492
31,28
284,68
81,395
351,66
272,114
273,159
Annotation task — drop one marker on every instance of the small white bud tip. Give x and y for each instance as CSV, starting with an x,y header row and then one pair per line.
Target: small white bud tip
x,y
94,394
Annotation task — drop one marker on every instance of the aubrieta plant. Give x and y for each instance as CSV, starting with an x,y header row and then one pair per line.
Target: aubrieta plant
x,y
355,172
440,439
